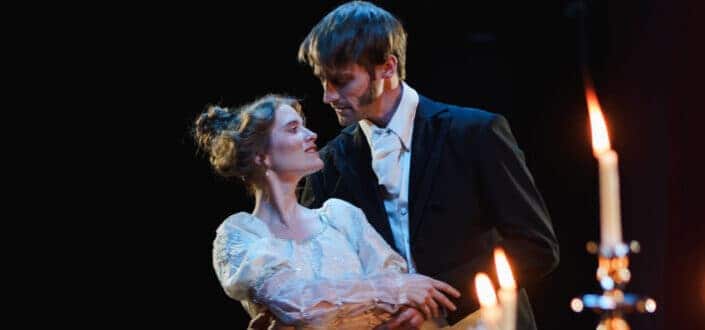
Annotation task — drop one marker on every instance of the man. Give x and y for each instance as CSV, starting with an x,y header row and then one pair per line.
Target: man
x,y
442,184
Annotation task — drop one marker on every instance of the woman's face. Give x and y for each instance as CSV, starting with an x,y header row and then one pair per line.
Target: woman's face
x,y
292,147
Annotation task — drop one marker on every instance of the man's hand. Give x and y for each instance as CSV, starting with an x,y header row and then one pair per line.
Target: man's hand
x,y
406,318
428,295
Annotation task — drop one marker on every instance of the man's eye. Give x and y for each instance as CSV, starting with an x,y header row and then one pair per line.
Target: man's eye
x,y
340,82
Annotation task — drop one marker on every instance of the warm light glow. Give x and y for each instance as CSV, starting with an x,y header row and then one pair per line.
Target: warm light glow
x,y
600,138
613,323
485,290
504,272
576,305
650,305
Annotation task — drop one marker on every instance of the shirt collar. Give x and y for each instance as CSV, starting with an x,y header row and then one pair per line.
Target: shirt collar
x,y
402,121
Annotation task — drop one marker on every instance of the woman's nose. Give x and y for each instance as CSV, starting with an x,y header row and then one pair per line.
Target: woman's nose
x,y
311,135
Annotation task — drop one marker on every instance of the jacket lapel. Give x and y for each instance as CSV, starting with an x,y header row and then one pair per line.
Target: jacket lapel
x,y
355,165
430,131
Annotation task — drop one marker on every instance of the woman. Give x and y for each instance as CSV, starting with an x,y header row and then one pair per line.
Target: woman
x,y
310,268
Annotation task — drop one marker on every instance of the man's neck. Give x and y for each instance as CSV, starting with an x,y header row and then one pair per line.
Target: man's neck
x,y
388,102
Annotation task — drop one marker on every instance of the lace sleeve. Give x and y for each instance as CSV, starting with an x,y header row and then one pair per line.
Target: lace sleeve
x,y
238,261
375,253
249,269
323,302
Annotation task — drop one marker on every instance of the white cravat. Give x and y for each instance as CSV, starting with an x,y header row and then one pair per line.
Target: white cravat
x,y
386,154
391,163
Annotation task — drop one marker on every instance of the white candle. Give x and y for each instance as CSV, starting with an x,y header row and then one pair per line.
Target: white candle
x,y
610,218
507,291
490,312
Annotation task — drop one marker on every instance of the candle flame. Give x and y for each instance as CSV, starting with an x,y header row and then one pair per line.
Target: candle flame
x,y
504,272
485,291
600,138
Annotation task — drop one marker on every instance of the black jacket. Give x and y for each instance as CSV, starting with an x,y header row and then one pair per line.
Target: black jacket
x,y
469,191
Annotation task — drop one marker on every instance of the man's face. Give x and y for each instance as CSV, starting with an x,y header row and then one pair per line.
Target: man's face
x,y
351,92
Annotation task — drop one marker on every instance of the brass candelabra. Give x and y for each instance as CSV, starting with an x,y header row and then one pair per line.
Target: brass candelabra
x,y
613,275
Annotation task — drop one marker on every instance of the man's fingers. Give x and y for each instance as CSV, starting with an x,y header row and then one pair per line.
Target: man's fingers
x,y
426,311
400,318
445,287
432,304
441,298
415,321
382,326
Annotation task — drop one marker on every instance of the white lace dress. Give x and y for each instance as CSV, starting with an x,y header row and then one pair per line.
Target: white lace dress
x,y
344,277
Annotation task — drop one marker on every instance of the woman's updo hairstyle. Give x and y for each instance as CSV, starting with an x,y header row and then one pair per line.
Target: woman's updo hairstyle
x,y
232,138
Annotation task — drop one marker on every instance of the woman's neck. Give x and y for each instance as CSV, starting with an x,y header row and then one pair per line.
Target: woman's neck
x,y
278,203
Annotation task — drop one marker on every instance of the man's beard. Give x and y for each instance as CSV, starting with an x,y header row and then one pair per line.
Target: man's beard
x,y
369,97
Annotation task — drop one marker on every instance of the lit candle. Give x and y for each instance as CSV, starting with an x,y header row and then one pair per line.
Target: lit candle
x,y
489,310
610,218
507,291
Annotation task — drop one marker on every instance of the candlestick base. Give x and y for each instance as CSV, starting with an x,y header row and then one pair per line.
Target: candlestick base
x,y
613,275
614,323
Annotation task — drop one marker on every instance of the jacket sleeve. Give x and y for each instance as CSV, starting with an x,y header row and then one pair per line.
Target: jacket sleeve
x,y
516,206
516,214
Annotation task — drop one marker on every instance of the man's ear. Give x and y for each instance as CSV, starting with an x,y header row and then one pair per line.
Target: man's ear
x,y
389,67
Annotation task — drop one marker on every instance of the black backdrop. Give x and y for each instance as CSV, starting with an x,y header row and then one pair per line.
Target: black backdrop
x,y
520,59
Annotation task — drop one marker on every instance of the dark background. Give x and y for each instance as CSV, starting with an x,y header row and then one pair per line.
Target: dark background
x,y
520,59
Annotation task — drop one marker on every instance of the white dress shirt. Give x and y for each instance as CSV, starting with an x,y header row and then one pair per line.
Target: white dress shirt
x,y
394,175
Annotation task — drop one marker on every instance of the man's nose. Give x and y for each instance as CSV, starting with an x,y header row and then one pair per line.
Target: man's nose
x,y
330,93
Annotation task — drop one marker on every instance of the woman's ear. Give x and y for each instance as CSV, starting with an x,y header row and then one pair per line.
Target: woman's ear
x,y
263,161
